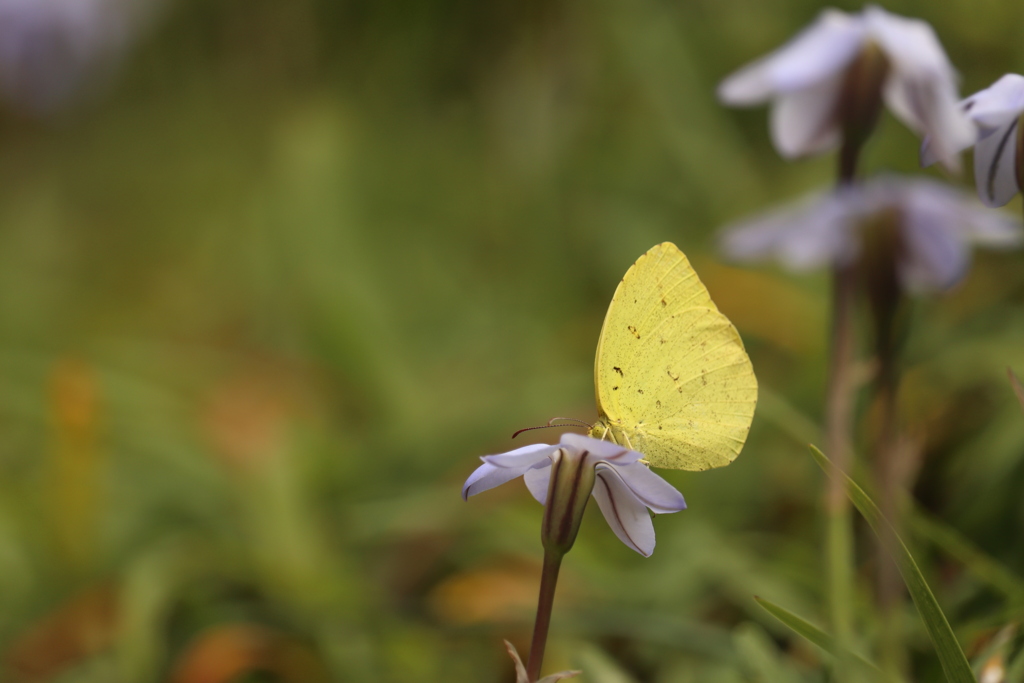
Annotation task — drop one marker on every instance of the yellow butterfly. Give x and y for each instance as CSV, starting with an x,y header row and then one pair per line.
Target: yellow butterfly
x,y
673,380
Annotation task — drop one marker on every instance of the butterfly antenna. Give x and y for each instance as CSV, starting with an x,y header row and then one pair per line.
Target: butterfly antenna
x,y
551,423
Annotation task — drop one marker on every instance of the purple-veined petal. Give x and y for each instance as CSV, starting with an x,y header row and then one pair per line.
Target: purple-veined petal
x,y
998,104
653,491
803,122
821,50
521,458
487,477
625,513
995,160
537,480
599,450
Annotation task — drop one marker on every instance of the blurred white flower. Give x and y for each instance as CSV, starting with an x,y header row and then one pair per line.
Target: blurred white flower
x,y
936,223
813,83
623,486
49,49
998,158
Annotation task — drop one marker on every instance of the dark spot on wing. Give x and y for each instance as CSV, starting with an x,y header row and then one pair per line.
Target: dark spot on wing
x,y
663,302
639,391
662,341
615,388
657,404
618,370
674,376
633,330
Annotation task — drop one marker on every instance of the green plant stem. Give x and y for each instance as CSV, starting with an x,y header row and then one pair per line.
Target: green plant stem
x,y
838,418
545,602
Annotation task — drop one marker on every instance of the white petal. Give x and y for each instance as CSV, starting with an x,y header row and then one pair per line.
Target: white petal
x,y
995,160
939,223
537,480
804,122
602,450
936,257
921,90
624,512
487,477
911,45
523,458
993,229
815,232
928,107
818,52
998,104
653,491
498,469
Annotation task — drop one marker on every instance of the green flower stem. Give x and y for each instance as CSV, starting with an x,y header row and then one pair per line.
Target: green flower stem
x,y
838,418
546,600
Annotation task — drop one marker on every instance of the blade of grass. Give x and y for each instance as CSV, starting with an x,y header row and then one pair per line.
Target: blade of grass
x,y
951,656
815,635
977,562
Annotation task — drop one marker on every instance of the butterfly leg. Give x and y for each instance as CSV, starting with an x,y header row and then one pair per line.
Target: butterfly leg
x,y
629,445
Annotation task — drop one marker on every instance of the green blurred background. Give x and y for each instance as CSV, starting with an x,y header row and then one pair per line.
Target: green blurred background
x,y
270,286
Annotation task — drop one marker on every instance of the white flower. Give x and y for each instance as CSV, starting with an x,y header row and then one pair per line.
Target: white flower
x,y
623,486
807,80
50,48
937,224
998,162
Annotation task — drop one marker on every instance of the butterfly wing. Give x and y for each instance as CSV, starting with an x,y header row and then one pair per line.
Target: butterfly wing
x,y
672,378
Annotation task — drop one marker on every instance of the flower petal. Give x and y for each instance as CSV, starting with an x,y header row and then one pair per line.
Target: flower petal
x,y
602,450
816,231
624,512
936,257
537,480
921,90
498,469
939,224
993,229
653,491
487,477
521,458
821,50
995,161
998,104
804,122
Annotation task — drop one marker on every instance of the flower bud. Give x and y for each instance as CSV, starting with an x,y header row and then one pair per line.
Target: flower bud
x,y
572,480
860,98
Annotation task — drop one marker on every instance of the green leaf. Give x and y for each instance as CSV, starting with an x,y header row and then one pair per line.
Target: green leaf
x,y
951,656
812,633
977,562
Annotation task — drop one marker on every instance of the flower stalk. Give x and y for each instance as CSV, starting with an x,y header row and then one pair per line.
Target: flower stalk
x,y
545,602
